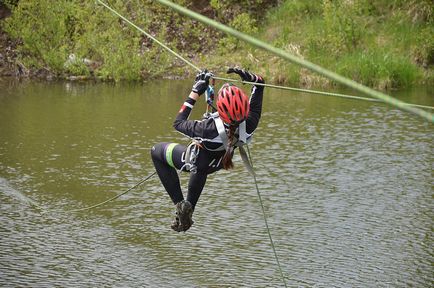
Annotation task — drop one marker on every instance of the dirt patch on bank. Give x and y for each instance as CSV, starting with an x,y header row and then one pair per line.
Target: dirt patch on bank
x,y
8,54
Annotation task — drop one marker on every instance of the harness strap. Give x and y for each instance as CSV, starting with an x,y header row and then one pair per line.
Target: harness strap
x,y
242,139
242,134
222,131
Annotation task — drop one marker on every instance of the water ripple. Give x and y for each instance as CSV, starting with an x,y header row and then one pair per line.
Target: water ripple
x,y
347,192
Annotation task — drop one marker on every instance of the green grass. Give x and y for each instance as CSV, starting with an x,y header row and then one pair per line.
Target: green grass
x,y
377,43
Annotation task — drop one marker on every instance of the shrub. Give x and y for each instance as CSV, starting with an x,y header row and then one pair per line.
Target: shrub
x,y
43,31
243,23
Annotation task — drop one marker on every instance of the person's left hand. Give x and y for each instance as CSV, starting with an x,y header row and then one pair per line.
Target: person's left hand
x,y
202,82
246,75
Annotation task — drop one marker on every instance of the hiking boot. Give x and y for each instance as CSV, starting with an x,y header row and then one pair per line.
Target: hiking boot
x,y
175,224
184,214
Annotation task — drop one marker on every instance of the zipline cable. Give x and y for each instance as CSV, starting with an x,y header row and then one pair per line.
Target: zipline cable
x,y
265,219
301,62
245,82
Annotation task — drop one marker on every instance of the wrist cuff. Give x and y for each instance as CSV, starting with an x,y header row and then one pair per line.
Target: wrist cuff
x,y
190,101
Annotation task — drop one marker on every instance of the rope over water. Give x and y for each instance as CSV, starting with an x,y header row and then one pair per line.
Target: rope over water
x,y
239,81
265,220
114,197
44,211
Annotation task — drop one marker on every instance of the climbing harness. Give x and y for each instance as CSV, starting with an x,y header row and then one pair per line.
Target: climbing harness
x,y
191,154
243,137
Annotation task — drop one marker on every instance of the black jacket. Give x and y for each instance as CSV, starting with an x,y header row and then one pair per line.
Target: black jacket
x,y
205,130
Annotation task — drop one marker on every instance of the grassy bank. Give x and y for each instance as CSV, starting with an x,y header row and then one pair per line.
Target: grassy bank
x,y
82,38
382,43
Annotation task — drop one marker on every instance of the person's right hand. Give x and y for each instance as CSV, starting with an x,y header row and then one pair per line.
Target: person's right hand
x,y
202,82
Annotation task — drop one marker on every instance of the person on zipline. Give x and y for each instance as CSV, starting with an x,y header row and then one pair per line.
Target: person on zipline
x,y
213,140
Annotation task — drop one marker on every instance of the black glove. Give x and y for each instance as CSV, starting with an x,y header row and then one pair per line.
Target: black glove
x,y
246,75
202,82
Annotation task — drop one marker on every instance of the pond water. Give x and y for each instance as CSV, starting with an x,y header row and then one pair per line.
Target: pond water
x,y
347,187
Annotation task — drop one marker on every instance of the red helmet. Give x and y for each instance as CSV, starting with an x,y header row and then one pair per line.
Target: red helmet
x,y
232,104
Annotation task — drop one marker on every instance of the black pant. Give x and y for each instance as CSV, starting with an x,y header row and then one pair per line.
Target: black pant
x,y
168,157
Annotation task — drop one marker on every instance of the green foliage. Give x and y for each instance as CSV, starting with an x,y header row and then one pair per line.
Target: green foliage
x,y
10,4
29,25
99,42
292,12
380,43
227,10
242,15
423,53
378,69
384,44
243,23
343,25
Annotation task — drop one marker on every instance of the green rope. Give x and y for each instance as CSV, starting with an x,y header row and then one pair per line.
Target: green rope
x,y
265,219
245,82
110,199
301,62
311,91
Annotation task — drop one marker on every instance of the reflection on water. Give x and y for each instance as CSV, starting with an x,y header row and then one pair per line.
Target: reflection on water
x,y
347,187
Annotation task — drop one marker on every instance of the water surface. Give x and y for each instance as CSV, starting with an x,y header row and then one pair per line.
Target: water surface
x,y
347,187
